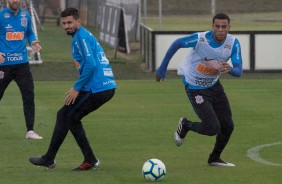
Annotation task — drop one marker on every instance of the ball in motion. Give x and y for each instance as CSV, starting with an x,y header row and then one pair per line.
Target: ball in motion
x,y
154,170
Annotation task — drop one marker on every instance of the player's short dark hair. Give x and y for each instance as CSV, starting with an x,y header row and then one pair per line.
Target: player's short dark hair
x,y
221,16
70,12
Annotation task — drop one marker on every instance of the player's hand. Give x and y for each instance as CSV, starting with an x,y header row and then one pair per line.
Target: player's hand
x,y
35,46
71,96
160,75
224,67
159,78
2,57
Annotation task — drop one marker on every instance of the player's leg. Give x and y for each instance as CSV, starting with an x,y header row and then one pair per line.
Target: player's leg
x,y
62,126
6,76
90,160
201,101
223,111
93,103
66,116
24,80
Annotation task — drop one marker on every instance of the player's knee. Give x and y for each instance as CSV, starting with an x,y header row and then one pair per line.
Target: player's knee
x,y
229,129
62,115
213,129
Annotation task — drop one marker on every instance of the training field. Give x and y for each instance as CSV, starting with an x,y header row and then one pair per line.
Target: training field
x,y
138,124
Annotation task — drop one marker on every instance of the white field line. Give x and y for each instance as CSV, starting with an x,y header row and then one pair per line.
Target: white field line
x,y
253,153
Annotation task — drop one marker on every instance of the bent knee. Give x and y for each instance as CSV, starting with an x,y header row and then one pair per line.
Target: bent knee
x,y
213,130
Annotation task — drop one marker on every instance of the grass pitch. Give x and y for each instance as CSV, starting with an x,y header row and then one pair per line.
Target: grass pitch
x,y
138,124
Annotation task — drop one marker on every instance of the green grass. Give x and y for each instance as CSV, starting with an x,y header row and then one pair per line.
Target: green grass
x,y
56,44
138,124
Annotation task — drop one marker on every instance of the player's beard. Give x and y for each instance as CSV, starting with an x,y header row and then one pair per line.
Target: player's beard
x,y
14,6
70,31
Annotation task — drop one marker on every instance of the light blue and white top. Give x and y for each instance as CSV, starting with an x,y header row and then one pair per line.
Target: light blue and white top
x,y
205,49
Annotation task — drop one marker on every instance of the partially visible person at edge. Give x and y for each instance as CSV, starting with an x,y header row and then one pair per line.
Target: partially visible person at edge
x,y
15,31
94,87
201,70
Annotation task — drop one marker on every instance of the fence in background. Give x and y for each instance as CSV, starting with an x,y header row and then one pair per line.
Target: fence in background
x,y
261,50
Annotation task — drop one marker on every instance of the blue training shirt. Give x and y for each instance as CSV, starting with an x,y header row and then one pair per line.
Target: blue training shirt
x,y
96,74
15,31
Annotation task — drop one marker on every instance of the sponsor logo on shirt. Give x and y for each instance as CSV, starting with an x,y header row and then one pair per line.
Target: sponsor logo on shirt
x,y
201,40
77,45
108,72
109,82
14,57
207,59
227,47
190,42
206,70
14,36
8,26
205,82
238,51
86,48
103,59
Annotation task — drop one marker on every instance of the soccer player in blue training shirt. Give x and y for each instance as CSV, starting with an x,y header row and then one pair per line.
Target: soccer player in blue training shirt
x,y
201,70
94,87
15,31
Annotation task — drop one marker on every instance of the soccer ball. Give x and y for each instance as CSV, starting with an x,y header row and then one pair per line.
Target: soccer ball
x,y
154,170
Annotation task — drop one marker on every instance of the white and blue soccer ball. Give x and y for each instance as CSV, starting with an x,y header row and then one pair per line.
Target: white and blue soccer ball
x,y
154,170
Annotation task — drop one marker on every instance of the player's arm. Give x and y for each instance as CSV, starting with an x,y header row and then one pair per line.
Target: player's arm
x,y
88,67
29,32
236,70
31,38
184,42
86,71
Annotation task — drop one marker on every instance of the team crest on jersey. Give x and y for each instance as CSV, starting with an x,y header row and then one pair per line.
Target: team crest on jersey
x,y
1,75
199,99
7,15
24,21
